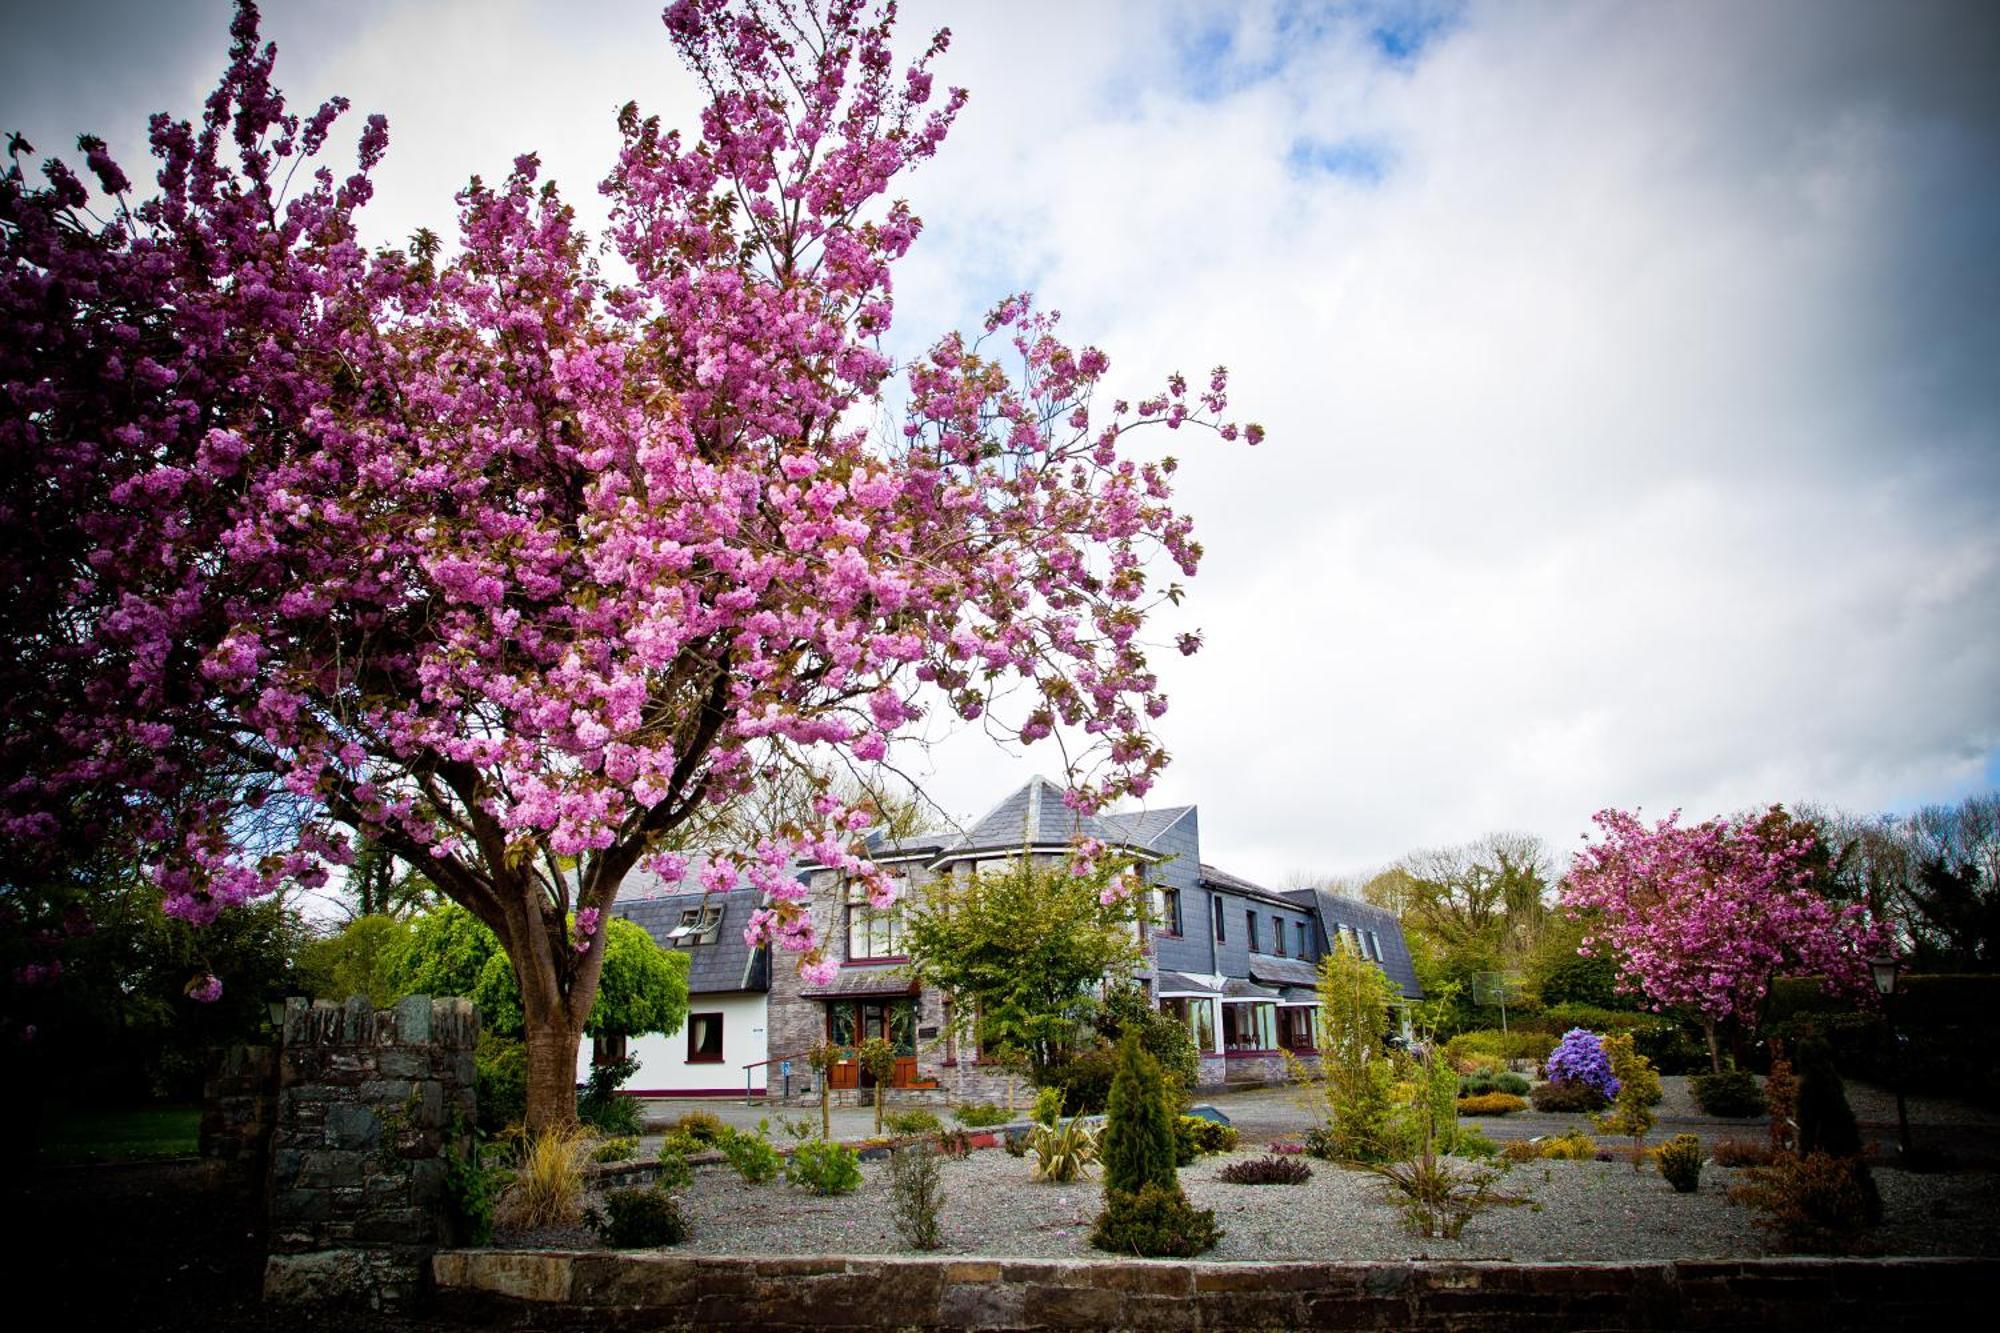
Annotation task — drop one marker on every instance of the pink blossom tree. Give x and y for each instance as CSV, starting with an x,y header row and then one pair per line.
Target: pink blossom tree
x,y
1702,917
515,568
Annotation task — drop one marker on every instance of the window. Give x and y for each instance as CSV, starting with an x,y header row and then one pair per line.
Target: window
x,y
607,1048
1250,928
1295,1027
1249,1027
1169,910
1305,949
873,932
1221,933
851,1022
1278,936
704,1039
698,925
1374,947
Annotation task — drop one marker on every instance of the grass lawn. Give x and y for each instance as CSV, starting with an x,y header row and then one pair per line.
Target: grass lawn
x,y
119,1135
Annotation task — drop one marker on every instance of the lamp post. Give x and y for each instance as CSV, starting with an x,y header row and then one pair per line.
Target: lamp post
x,y
1885,970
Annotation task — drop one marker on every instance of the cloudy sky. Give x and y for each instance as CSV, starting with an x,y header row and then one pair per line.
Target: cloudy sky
x,y
1632,372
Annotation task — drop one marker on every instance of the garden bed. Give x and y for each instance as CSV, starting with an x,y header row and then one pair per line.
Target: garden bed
x,y
1569,1211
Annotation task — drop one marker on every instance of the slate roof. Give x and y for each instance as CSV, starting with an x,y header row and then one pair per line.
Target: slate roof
x,y
1222,879
1142,828
1335,910
726,965
1171,983
1282,971
1033,815
1235,988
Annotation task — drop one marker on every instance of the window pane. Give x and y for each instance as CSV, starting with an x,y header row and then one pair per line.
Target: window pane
x,y
704,1037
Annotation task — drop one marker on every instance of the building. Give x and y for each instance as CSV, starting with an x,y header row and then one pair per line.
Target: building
x,y
721,1049
1234,961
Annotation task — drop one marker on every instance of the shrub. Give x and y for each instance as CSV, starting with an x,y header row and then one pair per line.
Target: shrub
x,y
1138,1147
1467,1048
1574,1146
469,1191
547,1189
1566,1095
1492,1103
1084,1080
1063,1152
1581,1058
622,1149
639,1219
1485,1082
1157,1222
1198,1136
1016,1143
1631,1112
1127,1010
1438,1197
1826,1122
1048,1105
914,1121
753,1156
599,1105
500,1082
824,1168
981,1115
1266,1171
916,1194
1781,1098
674,1172
1817,1202
1732,1094
1321,1142
1741,1152
705,1128
683,1145
1679,1160
957,1144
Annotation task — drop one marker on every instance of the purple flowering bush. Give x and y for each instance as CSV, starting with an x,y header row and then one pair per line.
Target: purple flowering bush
x,y
1579,1058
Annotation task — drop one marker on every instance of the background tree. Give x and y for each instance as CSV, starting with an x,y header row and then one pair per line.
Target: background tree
x,y
1703,916
1934,871
505,565
1356,1069
361,958
1023,951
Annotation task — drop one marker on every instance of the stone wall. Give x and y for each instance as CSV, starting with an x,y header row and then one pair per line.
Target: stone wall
x,y
239,1102
658,1291
370,1104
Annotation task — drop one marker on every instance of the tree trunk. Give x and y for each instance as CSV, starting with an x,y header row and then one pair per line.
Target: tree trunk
x,y
552,1046
1714,1046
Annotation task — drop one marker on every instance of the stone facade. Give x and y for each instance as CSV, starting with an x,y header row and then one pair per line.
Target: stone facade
x,y
369,1105
660,1291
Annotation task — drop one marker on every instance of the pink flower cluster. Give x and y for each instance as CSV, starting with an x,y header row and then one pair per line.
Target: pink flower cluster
x,y
1701,917
509,565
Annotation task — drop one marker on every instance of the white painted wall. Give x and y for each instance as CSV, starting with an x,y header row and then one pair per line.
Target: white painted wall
x,y
663,1067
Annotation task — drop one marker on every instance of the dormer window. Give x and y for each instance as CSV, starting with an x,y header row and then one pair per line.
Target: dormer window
x,y
699,925
874,932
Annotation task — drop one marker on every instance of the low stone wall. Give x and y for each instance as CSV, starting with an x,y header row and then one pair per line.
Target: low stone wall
x,y
598,1289
239,1101
370,1103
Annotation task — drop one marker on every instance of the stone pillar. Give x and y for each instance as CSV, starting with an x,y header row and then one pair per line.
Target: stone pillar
x,y
370,1105
239,1104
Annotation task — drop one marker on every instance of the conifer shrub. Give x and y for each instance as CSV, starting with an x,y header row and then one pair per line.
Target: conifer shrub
x,y
1679,1160
1826,1122
1155,1223
1145,1212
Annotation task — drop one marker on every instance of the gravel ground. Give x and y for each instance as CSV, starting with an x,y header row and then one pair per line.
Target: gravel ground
x,y
1568,1210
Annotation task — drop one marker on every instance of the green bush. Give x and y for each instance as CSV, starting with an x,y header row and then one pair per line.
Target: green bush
x,y
470,1191
1491,1044
615,1150
1084,1080
1679,1160
1732,1094
981,1115
1198,1136
914,1121
1158,1222
1506,1080
1048,1105
639,1219
1138,1141
500,1082
1128,1011
753,1156
1270,1170
705,1128
824,1168
1564,1095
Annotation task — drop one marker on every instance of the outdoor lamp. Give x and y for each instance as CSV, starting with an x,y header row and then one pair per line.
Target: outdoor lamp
x,y
1885,969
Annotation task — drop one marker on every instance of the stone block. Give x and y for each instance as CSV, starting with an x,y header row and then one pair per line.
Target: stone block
x,y
413,1020
350,1126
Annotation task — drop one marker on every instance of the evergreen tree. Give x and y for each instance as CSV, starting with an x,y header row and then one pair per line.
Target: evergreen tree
x,y
1826,1122
1138,1135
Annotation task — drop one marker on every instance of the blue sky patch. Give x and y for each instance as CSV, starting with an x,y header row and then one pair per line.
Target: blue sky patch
x,y
1352,159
